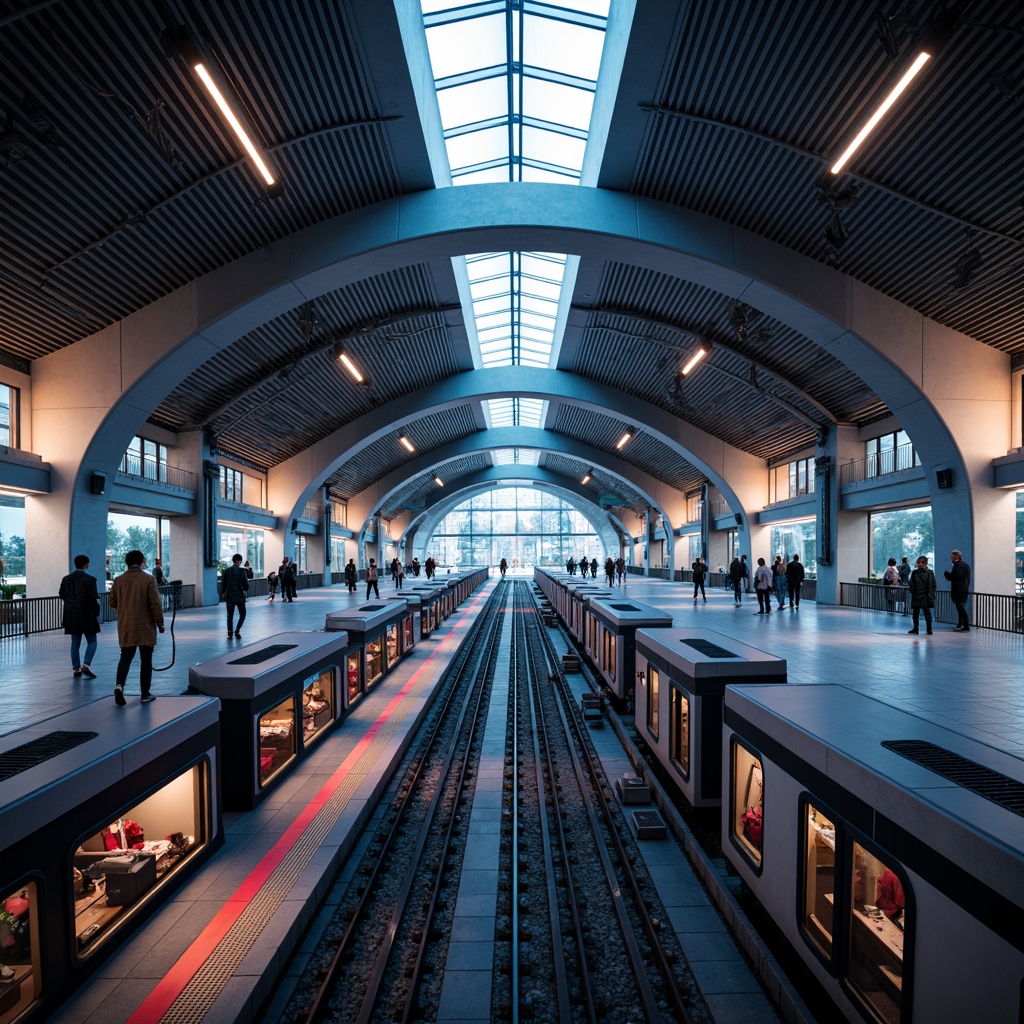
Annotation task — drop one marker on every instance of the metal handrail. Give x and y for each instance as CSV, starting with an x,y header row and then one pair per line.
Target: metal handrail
x,y
1003,612
156,472
894,460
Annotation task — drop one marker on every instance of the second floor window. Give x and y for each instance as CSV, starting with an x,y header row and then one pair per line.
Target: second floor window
x,y
9,416
147,459
230,484
889,453
793,479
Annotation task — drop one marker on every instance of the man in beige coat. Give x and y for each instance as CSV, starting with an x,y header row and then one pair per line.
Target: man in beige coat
x,y
139,615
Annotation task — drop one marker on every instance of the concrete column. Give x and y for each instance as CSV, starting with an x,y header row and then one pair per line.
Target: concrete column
x,y
848,531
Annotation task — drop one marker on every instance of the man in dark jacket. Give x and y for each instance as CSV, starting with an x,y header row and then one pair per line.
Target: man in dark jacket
x,y
81,611
700,574
736,578
959,577
922,594
234,585
351,576
794,580
286,575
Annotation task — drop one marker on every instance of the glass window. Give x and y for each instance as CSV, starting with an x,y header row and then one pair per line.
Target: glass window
x,y
127,533
277,739
747,803
234,538
352,678
874,966
679,730
653,696
819,888
19,950
317,704
374,661
12,540
609,654
903,532
409,638
9,401
799,537
118,866
392,640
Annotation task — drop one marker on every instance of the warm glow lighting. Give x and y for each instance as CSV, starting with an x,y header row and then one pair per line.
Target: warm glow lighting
x,y
438,481
351,367
586,478
894,95
236,125
622,441
694,360
406,443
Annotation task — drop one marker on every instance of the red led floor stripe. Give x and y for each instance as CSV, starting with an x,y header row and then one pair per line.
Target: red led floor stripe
x,y
173,983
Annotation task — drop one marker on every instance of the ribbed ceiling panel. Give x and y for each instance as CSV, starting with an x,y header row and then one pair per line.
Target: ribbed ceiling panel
x,y
600,482
414,496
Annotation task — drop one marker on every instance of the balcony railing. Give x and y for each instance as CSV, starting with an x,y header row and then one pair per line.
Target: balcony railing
x,y
1004,612
22,616
157,472
895,460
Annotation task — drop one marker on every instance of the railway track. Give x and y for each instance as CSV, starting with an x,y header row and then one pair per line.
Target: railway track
x,y
381,937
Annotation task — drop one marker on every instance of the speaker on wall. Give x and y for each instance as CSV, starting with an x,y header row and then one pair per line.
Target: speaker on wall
x,y
944,478
97,483
739,519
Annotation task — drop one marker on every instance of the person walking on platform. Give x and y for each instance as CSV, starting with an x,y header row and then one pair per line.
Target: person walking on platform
x,y
234,585
371,578
609,570
593,568
399,573
81,615
959,577
905,570
286,577
584,566
272,582
794,580
736,578
746,573
700,574
779,577
763,587
429,566
351,576
620,568
890,581
503,566
415,567
922,595
158,572
140,614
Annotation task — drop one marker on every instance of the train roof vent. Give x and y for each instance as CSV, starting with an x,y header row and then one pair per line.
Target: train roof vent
x,y
28,755
258,657
708,649
986,782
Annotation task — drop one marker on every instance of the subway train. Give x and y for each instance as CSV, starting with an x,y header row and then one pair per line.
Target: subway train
x,y
886,849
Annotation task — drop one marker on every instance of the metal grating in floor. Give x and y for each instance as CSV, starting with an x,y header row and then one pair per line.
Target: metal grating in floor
x,y
36,751
986,782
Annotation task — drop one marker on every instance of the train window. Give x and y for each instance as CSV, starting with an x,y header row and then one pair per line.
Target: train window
x,y
747,803
409,639
679,730
392,635
20,961
374,660
317,704
653,698
118,866
877,922
609,655
352,677
818,910
277,739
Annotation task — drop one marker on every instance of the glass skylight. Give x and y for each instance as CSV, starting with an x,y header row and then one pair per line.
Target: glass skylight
x,y
514,456
515,89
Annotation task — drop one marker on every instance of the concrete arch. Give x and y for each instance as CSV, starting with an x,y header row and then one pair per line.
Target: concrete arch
x,y
666,500
608,529
903,356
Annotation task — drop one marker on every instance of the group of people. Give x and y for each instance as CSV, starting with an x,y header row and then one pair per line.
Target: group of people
x,y
284,578
614,568
921,587
782,579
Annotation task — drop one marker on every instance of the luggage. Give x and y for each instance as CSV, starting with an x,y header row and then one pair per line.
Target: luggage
x,y
128,878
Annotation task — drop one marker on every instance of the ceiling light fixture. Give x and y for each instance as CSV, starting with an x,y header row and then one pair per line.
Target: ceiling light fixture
x,y
624,440
438,481
406,443
694,360
933,41
179,42
354,372
587,477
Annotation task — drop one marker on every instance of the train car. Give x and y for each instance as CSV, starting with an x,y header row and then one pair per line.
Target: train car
x,y
103,813
381,628
279,697
886,849
609,641
681,676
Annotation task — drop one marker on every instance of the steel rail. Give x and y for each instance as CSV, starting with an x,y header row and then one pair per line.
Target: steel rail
x,y
460,669
678,999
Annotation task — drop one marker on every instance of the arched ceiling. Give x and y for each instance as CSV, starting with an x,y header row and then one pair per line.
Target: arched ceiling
x,y
119,187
